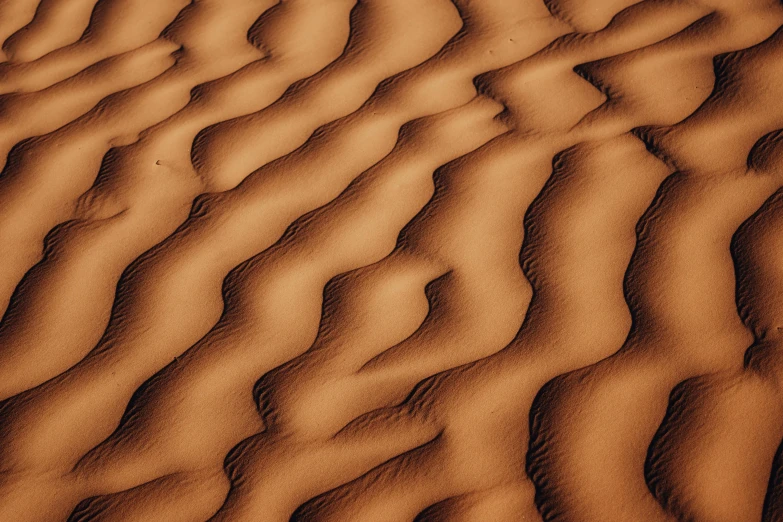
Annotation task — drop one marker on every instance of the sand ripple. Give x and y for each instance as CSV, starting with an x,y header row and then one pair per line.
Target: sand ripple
x,y
391,260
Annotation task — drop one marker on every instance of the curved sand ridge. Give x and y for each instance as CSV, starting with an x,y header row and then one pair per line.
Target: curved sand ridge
x,y
391,260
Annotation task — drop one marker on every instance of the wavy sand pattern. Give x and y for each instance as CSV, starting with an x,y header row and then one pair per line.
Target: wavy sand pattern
x,y
391,260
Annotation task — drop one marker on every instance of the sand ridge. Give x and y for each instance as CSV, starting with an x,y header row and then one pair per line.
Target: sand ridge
x,y
391,260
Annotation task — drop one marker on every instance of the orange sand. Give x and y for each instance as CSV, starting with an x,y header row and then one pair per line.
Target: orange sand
x,y
391,260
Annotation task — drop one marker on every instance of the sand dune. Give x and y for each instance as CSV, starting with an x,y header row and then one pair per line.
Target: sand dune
x,y
391,260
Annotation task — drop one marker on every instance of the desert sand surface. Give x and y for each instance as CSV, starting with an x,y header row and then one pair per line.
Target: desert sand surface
x,y
391,260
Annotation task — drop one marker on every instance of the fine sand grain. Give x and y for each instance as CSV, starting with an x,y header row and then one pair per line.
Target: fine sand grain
x,y
391,260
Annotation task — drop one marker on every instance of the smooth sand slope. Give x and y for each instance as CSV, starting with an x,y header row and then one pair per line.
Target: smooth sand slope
x,y
391,260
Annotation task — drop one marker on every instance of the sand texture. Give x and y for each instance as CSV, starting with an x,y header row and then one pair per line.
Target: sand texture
x,y
391,260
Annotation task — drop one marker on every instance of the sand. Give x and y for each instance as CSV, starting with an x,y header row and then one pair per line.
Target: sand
x,y
391,260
